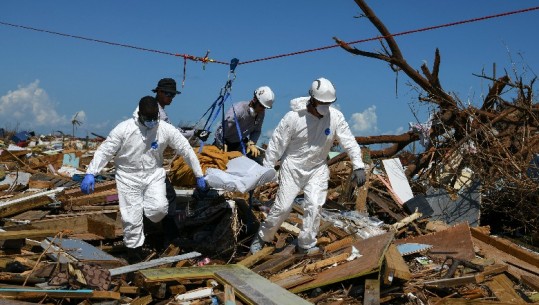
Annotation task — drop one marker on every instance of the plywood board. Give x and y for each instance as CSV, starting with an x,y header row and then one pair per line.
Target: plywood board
x,y
28,202
294,280
255,289
248,286
183,273
395,266
455,241
372,250
503,289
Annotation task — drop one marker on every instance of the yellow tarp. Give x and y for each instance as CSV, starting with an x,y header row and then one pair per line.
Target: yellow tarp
x,y
180,173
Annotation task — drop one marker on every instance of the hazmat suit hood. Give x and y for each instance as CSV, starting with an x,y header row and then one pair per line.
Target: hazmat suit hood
x,y
299,104
162,114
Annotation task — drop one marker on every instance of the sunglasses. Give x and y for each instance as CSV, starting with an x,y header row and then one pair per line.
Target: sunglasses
x,y
169,94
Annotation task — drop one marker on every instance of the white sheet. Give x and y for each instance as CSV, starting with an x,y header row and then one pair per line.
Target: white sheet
x,y
242,175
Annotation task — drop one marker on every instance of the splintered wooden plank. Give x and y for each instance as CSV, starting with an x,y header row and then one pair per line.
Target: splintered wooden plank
x,y
255,289
516,267
41,293
396,267
372,292
76,192
102,226
276,264
76,224
91,199
507,247
384,204
339,244
289,228
31,215
338,231
490,271
531,281
372,251
294,280
311,267
23,204
183,273
22,234
450,282
142,300
258,256
502,287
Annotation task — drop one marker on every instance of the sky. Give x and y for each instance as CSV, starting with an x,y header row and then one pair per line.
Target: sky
x,y
47,79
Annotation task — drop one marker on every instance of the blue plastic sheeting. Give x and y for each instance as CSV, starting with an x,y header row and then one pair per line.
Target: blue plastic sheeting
x,y
21,136
71,159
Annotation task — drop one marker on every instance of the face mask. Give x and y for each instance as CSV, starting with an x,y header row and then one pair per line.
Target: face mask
x,y
252,111
322,109
150,124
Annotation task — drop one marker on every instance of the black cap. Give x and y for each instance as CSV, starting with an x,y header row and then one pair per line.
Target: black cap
x,y
167,85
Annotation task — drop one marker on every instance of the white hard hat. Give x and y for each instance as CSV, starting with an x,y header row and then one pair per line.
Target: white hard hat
x,y
265,96
322,90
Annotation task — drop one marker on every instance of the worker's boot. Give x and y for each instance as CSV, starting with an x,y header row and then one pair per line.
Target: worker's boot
x,y
170,231
134,255
257,244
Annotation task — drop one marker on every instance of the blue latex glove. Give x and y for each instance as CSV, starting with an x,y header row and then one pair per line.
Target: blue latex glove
x,y
201,184
87,185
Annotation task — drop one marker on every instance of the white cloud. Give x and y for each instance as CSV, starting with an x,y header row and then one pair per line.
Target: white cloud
x,y
400,130
365,121
30,107
80,116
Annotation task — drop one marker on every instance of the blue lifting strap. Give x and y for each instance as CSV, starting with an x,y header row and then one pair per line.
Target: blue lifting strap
x,y
218,105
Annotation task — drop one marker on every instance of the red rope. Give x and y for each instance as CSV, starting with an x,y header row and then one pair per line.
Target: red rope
x,y
395,35
191,57
206,59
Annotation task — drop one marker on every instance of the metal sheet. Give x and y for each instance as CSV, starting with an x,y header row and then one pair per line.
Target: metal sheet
x,y
81,250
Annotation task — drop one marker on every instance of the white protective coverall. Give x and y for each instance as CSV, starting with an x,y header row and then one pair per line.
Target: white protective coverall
x,y
140,176
302,142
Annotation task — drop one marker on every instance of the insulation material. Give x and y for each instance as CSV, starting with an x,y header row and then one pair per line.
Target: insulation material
x,y
398,179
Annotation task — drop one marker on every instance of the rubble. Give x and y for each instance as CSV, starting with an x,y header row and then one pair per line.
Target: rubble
x,y
376,247
415,233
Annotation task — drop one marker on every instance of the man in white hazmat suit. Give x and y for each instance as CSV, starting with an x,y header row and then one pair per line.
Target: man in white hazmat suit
x,y
302,141
137,145
165,91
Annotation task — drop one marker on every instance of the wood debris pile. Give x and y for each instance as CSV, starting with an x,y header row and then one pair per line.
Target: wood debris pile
x,y
60,245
